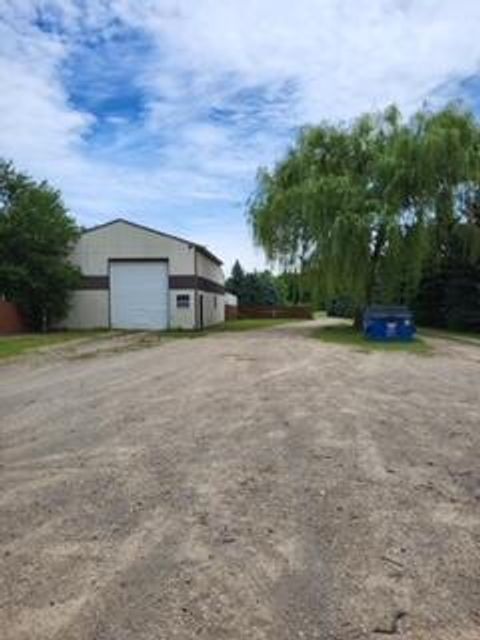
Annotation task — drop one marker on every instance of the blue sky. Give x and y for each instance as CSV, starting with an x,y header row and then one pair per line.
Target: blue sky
x,y
162,110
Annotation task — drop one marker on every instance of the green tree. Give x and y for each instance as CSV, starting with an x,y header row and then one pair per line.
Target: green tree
x,y
254,288
357,204
300,287
449,292
236,282
36,238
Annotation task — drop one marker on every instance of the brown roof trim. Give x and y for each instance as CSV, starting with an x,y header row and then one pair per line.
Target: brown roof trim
x,y
137,260
195,282
102,283
205,284
93,283
182,282
208,254
198,247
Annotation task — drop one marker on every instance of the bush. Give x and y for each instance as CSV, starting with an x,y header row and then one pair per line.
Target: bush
x,y
340,307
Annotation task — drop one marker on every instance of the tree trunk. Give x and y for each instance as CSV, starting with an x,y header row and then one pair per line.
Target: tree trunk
x,y
358,319
374,260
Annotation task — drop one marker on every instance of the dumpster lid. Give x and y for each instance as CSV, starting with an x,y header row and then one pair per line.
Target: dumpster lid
x,y
379,311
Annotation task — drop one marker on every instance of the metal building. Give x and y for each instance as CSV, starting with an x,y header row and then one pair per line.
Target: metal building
x,y
134,277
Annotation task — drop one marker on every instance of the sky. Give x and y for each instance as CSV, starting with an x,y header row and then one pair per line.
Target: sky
x,y
162,111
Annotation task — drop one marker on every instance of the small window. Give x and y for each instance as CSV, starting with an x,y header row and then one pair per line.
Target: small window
x,y
214,302
183,301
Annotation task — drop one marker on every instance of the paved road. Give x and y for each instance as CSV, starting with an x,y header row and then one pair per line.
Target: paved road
x,y
240,486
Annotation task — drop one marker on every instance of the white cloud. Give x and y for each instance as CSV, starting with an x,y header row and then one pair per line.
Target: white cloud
x,y
264,66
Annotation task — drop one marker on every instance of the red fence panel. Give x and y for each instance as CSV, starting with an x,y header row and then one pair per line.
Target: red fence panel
x,y
231,312
11,320
303,312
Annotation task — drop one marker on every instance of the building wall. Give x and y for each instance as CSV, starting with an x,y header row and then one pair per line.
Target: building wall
x,y
213,301
182,318
206,268
88,310
213,313
122,240
90,306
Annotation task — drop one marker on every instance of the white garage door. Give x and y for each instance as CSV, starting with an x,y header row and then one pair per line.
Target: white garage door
x,y
139,295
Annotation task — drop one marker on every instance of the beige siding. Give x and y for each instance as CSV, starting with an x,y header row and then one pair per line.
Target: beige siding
x,y
182,318
122,240
89,310
206,268
212,314
213,303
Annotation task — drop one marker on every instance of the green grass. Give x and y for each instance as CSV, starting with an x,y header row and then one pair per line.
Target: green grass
x,y
344,334
146,339
460,336
189,334
19,344
251,324
247,324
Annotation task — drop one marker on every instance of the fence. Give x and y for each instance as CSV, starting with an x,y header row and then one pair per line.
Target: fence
x,y
231,312
11,320
303,312
231,306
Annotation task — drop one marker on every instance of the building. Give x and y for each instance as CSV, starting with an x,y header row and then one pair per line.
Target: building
x,y
134,277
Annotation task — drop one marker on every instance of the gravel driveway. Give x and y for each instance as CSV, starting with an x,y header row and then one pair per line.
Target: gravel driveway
x,y
262,485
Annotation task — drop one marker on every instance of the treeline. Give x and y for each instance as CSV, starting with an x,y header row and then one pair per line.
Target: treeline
x,y
255,287
265,288
449,291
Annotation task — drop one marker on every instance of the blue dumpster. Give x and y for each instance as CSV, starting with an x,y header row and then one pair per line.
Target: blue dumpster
x,y
388,323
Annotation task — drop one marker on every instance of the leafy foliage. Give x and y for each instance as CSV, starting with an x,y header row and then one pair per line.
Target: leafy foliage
x,y
300,287
36,237
340,307
449,292
255,288
365,206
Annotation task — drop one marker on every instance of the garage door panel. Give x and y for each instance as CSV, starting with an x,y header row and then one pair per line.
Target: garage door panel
x,y
139,295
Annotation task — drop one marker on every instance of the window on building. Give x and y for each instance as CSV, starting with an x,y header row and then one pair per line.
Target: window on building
x,y
214,302
183,301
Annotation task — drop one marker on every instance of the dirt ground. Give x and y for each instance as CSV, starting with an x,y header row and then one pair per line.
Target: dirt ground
x,y
261,485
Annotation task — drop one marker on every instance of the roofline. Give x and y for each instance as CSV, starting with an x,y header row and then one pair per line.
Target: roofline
x,y
199,247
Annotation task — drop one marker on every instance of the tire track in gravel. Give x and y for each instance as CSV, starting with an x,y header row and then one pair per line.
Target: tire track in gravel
x,y
252,486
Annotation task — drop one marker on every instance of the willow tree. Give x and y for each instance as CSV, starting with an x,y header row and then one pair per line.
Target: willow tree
x,y
358,203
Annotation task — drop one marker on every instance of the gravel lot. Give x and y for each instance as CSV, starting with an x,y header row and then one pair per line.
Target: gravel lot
x,y
262,485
